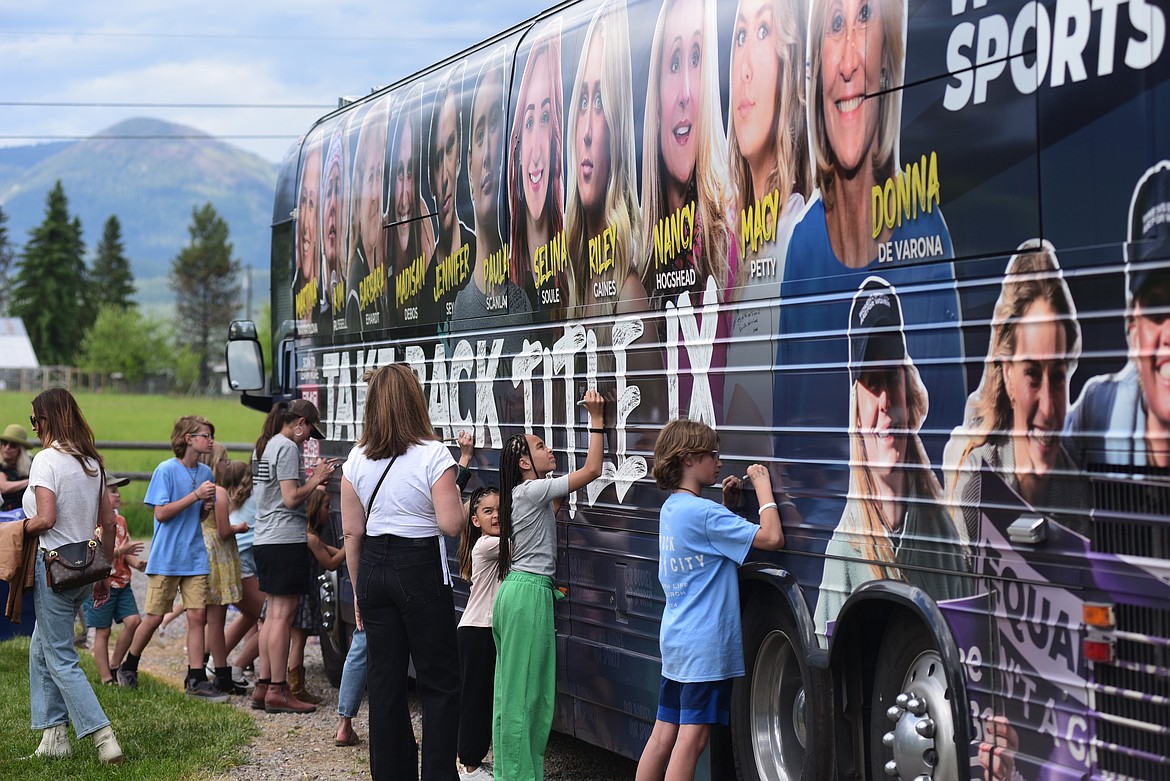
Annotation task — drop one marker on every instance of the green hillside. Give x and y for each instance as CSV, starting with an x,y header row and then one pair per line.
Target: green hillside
x,y
152,185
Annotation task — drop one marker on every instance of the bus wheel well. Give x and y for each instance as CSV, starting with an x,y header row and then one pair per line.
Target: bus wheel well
x,y
869,641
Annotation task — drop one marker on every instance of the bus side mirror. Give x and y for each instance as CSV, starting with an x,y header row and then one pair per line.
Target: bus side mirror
x,y
245,361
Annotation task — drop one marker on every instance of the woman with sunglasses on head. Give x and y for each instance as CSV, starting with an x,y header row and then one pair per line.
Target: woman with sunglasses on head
x,y
65,500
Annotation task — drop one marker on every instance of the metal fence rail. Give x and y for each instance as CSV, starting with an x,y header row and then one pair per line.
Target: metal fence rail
x,y
102,444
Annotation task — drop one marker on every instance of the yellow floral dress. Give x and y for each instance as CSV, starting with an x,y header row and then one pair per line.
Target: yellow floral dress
x,y
223,558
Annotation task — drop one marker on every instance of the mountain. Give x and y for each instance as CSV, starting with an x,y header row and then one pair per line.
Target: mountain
x,y
151,174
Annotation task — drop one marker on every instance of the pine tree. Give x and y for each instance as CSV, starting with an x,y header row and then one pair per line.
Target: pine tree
x,y
110,279
6,258
49,291
205,279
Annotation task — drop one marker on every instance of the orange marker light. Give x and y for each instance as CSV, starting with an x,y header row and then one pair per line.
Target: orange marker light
x,y
1099,615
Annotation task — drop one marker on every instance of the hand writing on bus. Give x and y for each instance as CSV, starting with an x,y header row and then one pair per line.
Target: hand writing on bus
x,y
997,752
594,404
466,447
732,491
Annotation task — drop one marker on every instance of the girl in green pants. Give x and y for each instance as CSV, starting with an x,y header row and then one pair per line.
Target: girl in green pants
x,y
522,618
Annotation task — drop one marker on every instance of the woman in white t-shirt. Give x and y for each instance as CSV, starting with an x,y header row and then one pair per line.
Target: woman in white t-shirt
x,y
63,503
398,497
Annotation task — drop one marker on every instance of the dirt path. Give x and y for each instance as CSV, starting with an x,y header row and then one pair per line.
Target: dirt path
x,y
290,746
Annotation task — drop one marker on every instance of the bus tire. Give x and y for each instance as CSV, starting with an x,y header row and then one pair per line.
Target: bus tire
x,y
912,728
777,711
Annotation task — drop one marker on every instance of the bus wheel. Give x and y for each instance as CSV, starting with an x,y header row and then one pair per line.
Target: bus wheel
x,y
773,728
912,729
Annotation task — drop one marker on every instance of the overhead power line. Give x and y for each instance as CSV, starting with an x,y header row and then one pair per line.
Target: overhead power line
x,y
146,137
63,104
230,36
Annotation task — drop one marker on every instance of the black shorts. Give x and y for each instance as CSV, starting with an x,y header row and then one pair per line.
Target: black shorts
x,y
283,569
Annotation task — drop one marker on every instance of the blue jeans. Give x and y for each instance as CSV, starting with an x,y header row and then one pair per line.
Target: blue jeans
x,y
58,689
353,677
409,613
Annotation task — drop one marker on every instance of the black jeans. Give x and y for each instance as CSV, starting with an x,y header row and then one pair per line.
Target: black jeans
x,y
409,613
477,660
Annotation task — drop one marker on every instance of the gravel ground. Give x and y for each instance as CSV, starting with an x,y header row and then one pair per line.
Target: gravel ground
x,y
301,746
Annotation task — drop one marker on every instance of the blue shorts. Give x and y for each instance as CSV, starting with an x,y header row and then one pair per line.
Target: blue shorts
x,y
704,702
120,604
247,564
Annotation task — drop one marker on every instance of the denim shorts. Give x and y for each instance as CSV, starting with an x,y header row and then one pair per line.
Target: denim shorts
x,y
703,702
120,605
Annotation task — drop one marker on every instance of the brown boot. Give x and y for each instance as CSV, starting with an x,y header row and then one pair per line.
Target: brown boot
x,y
296,685
259,691
280,700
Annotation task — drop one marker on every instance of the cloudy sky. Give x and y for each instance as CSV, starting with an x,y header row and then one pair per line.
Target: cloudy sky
x,y
229,69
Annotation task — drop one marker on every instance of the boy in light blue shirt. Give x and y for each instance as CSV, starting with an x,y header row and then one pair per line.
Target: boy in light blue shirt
x,y
701,545
180,491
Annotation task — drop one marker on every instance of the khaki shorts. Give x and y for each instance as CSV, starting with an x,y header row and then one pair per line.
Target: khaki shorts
x,y
161,590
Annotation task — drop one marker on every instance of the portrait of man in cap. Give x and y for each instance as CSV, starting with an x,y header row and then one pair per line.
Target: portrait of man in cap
x,y
1123,419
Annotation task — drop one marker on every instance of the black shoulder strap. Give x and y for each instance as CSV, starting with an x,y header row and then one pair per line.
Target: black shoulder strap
x,y
370,504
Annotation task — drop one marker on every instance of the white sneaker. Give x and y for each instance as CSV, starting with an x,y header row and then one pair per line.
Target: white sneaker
x,y
55,743
239,679
481,773
107,746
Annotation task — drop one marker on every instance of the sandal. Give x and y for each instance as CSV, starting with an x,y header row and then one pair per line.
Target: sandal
x,y
352,740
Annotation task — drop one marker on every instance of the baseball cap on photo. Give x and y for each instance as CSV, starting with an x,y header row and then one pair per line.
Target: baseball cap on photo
x,y
1148,236
875,327
304,408
113,480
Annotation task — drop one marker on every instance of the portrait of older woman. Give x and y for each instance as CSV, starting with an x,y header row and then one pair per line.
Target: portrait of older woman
x,y
412,238
895,524
450,263
857,60
308,245
535,177
334,210
602,196
367,251
1016,415
684,158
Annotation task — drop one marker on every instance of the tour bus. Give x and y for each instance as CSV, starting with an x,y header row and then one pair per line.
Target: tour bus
x,y
911,255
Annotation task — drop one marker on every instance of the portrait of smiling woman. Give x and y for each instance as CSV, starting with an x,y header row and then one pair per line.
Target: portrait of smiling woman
x,y
1016,416
684,155
535,174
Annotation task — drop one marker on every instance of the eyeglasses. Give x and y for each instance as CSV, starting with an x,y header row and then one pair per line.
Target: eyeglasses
x,y
210,437
32,421
713,453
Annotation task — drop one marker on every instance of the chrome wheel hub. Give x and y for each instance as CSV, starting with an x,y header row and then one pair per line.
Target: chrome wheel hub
x,y
922,738
779,729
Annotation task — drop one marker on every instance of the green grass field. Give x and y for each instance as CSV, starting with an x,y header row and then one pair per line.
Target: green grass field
x,y
164,734
136,418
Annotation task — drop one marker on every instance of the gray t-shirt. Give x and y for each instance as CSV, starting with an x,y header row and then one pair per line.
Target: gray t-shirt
x,y
534,527
77,496
275,523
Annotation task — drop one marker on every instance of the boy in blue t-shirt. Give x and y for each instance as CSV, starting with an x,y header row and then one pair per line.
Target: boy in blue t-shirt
x,y
179,491
701,544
